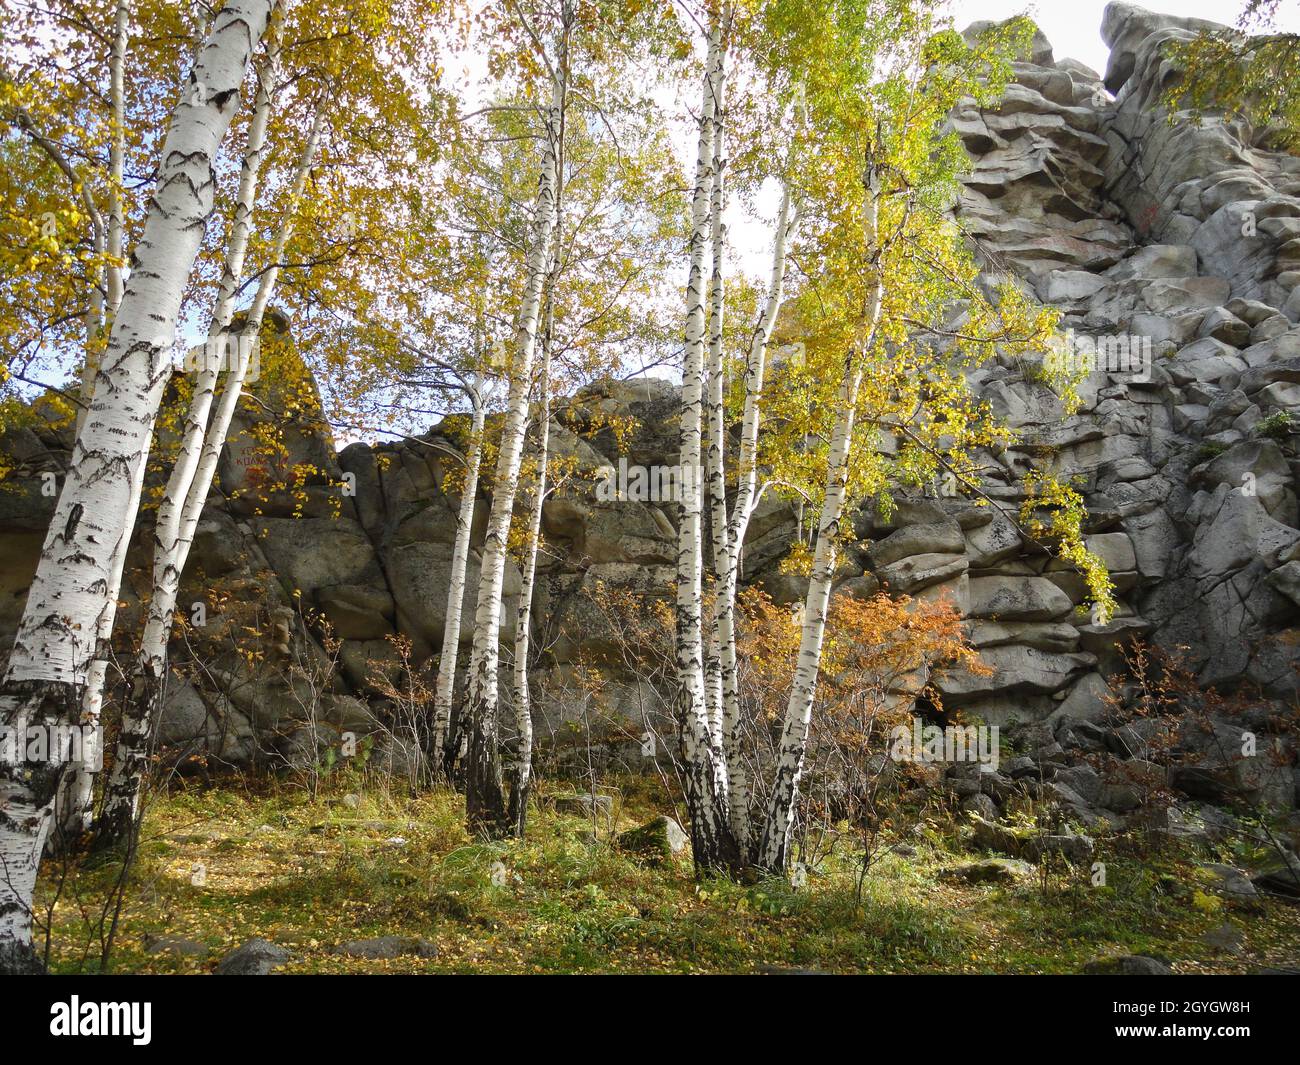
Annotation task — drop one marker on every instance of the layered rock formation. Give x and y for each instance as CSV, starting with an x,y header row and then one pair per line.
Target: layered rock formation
x,y
1173,251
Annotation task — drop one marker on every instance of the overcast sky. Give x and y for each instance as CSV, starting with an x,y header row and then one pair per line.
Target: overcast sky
x,y
1074,26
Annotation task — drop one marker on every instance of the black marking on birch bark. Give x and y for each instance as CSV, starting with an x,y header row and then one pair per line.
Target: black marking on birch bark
x,y
74,518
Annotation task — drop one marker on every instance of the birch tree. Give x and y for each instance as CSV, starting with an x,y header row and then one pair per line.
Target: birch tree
x,y
67,122
705,772
889,267
287,124
715,421
736,524
445,688
485,798
771,853
76,803
73,593
882,266
521,778
204,436
602,297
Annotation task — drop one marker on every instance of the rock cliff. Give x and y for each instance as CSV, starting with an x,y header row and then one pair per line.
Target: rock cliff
x,y
1173,251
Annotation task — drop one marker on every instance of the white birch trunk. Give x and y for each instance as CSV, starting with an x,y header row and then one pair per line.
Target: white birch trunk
x,y
445,688
108,241
167,543
521,785
485,801
191,479
73,595
715,428
705,777
79,802
94,328
773,848
117,150
742,511
75,804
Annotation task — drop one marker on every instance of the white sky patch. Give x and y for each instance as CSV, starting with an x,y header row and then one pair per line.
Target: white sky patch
x,y
1074,26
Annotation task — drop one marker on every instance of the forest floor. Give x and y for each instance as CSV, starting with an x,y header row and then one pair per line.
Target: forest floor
x,y
220,865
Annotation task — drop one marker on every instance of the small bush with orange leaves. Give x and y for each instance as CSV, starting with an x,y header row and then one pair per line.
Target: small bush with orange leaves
x,y
878,660
879,657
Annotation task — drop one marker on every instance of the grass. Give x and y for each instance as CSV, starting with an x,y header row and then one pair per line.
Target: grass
x,y
309,875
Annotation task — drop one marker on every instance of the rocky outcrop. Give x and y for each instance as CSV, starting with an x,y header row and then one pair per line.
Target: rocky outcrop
x,y
1173,253
1182,444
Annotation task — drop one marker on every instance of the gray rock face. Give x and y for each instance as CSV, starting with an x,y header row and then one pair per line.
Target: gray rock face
x,y
913,574
1018,599
989,871
1170,250
596,808
1127,964
1233,883
386,947
257,957
1015,669
656,841
937,538
176,946
1281,877
1075,849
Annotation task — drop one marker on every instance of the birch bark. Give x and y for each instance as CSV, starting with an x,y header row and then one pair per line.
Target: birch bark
x,y
523,768
484,795
704,777
191,478
446,683
773,847
742,510
77,795
715,428
78,804
73,593
117,151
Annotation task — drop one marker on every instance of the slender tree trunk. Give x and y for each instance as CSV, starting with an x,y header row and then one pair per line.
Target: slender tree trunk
x,y
443,741
117,151
523,767
742,510
104,306
94,327
77,785
773,847
484,792
715,428
73,594
76,799
78,807
705,778
189,484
